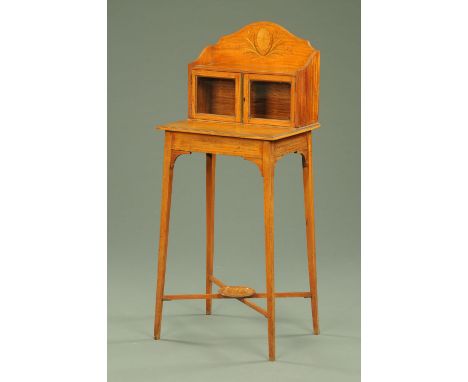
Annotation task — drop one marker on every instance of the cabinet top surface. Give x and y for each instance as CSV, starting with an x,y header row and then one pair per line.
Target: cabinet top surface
x,y
235,130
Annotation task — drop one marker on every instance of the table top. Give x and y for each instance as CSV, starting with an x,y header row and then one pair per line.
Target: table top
x,y
236,130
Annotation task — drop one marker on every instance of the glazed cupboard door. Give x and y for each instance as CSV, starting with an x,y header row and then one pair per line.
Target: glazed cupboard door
x,y
269,99
215,96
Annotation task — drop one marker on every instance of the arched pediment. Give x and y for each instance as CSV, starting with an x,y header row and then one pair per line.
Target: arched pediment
x,y
260,47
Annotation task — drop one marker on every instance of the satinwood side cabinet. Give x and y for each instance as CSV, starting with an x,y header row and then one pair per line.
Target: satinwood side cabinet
x,y
253,94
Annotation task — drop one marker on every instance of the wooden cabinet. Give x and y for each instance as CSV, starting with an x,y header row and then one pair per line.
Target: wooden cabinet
x,y
253,94
260,75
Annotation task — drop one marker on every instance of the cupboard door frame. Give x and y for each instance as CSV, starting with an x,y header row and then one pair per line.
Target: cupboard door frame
x,y
237,117
248,78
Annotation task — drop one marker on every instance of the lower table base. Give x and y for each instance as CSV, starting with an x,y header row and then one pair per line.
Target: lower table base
x,y
264,154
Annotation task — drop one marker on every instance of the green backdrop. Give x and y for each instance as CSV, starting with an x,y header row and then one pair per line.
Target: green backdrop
x,y
150,44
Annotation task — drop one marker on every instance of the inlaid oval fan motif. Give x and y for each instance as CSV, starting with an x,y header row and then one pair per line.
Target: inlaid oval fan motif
x,y
263,41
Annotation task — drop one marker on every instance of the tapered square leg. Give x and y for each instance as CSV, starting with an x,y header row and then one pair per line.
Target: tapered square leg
x,y
164,231
210,199
310,230
268,208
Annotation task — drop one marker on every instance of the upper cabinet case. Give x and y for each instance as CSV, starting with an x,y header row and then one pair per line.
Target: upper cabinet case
x,y
261,74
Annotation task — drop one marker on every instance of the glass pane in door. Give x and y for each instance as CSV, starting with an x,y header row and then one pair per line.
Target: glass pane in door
x,y
270,100
216,95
